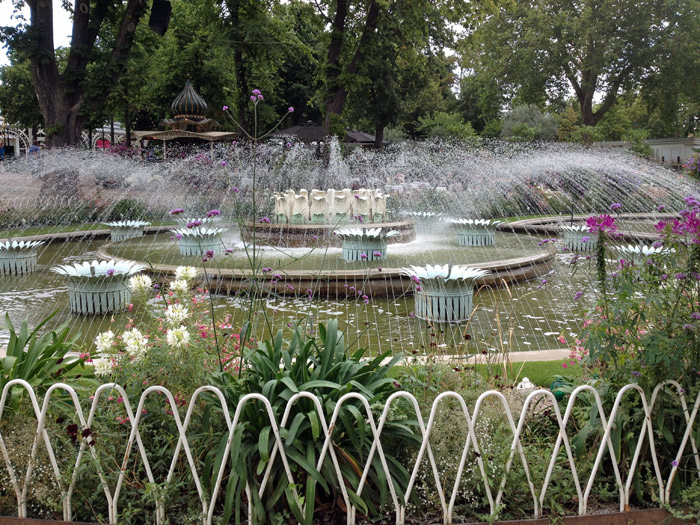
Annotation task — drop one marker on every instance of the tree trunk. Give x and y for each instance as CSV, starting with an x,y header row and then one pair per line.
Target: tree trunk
x,y
61,96
379,136
337,93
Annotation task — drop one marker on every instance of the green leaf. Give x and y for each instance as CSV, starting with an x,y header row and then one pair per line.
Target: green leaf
x,y
263,443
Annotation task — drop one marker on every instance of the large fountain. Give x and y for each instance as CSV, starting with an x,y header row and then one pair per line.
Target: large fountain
x,y
61,198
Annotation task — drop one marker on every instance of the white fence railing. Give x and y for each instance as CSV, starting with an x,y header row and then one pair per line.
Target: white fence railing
x,y
492,489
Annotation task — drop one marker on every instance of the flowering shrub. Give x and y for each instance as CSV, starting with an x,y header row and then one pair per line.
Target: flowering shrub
x,y
692,167
645,325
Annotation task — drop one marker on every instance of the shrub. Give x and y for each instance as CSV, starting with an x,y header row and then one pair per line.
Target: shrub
x,y
529,123
320,366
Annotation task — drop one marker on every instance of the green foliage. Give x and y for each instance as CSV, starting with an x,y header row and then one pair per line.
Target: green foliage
x,y
39,360
445,126
529,123
638,147
126,209
18,102
279,369
586,135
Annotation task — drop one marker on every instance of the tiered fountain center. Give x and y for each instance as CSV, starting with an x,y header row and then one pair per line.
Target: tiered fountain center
x,y
305,219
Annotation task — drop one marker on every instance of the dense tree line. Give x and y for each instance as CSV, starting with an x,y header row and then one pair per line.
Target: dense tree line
x,y
533,70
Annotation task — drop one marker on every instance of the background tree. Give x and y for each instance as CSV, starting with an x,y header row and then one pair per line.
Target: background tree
x,y
18,103
541,49
61,91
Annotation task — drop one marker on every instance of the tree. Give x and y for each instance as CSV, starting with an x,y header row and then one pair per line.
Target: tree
x,y
541,49
103,32
18,103
529,123
368,39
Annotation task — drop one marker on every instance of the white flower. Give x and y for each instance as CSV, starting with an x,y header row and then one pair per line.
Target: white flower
x,y
136,343
176,314
103,341
140,283
103,366
178,337
187,273
179,286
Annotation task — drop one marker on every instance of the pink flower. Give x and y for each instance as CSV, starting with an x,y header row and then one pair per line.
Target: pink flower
x,y
225,108
290,109
602,223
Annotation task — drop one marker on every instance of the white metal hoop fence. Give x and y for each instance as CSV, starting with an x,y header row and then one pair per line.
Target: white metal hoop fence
x,y
493,490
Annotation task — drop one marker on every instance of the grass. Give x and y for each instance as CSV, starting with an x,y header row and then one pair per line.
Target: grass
x,y
539,372
62,228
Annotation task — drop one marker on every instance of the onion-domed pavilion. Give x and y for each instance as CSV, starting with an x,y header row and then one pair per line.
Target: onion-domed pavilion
x,y
189,122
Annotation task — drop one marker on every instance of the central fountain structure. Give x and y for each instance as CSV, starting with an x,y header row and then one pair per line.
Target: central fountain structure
x,y
310,218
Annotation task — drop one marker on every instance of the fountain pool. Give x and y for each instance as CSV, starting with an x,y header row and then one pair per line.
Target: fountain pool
x,y
493,181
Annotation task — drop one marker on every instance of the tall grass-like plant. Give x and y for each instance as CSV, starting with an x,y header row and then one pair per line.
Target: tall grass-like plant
x,y
278,369
38,359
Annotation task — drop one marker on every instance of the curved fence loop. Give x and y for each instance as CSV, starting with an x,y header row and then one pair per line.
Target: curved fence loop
x,y
20,491
665,495
327,436
516,442
401,509
268,408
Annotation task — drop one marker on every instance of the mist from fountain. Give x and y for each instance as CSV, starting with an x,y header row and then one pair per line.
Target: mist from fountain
x,y
491,180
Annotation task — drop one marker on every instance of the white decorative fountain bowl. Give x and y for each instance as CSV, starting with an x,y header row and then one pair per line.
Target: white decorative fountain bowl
x,y
443,292
98,287
200,240
364,244
578,238
122,230
476,232
425,221
18,257
639,254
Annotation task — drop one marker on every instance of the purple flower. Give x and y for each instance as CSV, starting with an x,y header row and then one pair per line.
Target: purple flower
x,y
264,220
679,276
315,237
177,211
252,97
194,224
585,239
290,109
663,277
688,327
288,145
223,163
225,108
377,254
661,207
363,256
695,315
636,374
110,272
229,250
178,236
260,97
234,190
615,206
256,92
544,281
277,276
266,270
674,463
415,279
213,213
578,296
